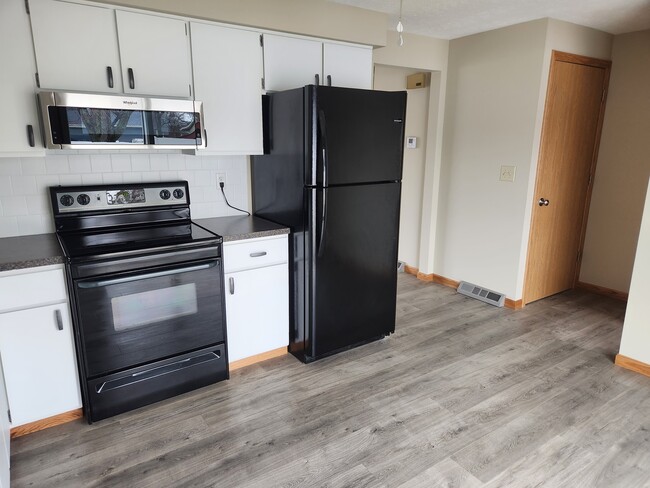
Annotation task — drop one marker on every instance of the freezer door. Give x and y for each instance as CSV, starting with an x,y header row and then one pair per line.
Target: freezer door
x,y
353,268
359,136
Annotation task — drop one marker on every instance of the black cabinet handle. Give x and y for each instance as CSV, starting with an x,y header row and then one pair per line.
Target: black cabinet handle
x,y
329,80
205,136
109,75
59,319
131,79
317,78
30,135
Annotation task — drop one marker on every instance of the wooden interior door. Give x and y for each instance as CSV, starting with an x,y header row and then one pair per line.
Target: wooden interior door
x,y
573,116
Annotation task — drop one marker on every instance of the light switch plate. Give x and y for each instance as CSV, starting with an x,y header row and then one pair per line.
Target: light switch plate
x,y
411,142
507,173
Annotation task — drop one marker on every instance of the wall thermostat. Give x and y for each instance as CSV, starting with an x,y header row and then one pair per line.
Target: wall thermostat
x,y
411,142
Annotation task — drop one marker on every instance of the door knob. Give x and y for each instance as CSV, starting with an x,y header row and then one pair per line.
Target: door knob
x,y
542,202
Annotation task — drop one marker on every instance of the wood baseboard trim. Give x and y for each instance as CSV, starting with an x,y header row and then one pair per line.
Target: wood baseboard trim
x,y
257,358
412,270
601,290
514,304
632,365
53,421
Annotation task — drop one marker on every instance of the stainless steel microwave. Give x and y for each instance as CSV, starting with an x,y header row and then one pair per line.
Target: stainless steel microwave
x,y
92,121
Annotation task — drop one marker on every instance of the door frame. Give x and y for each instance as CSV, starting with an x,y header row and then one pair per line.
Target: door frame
x,y
564,57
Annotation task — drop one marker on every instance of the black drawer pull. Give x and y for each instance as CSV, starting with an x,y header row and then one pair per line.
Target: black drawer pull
x,y
30,135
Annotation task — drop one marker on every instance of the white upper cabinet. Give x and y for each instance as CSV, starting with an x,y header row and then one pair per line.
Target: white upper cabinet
x,y
290,62
228,80
76,46
80,50
155,53
19,126
349,66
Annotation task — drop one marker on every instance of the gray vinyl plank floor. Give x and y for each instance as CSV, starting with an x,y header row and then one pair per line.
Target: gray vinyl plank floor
x,y
462,395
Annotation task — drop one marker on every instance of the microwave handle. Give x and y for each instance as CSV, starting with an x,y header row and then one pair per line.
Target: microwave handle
x,y
145,276
109,75
131,79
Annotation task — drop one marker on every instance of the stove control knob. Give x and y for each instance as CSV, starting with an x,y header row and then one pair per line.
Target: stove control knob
x,y
164,194
83,199
178,193
66,200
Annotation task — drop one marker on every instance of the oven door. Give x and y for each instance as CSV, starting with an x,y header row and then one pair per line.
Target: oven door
x,y
129,319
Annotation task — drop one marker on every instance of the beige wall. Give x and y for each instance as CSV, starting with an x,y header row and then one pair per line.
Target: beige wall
x,y
317,18
635,342
392,78
623,168
492,97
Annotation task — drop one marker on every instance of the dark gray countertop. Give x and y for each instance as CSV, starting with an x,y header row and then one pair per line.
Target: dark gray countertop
x,y
244,227
43,249
29,251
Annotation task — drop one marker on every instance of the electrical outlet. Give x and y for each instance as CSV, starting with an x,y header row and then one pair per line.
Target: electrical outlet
x,y
221,178
507,173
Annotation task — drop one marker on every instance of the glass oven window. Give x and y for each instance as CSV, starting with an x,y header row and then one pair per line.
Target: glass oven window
x,y
106,126
148,307
176,128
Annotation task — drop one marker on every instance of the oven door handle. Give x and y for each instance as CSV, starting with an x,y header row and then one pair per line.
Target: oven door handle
x,y
145,276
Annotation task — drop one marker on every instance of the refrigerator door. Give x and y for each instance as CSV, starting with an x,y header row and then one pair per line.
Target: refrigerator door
x,y
353,270
358,138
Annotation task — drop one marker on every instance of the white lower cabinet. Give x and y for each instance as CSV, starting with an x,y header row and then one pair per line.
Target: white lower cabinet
x,y
38,355
257,296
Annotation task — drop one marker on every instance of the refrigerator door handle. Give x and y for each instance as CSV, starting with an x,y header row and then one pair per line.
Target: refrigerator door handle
x,y
323,224
322,128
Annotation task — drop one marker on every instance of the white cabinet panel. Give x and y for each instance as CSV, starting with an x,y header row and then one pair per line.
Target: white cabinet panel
x,y
257,295
348,66
227,67
291,62
5,430
32,289
17,97
76,46
257,311
39,363
157,51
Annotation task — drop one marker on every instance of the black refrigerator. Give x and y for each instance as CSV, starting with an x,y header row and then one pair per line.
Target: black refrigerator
x,y
332,173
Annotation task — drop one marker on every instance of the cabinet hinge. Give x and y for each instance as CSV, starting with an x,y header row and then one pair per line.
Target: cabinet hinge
x,y
38,80
261,38
27,7
263,84
9,415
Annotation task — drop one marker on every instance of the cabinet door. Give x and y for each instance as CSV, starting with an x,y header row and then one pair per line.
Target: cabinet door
x,y
5,429
39,363
156,50
290,62
76,46
348,66
227,79
257,311
17,98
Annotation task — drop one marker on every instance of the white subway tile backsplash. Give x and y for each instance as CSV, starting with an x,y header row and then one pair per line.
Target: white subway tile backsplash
x,y
121,162
79,163
101,163
24,200
13,205
10,166
8,226
140,162
24,185
32,166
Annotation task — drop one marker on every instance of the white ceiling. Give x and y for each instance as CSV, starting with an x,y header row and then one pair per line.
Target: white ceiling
x,y
449,19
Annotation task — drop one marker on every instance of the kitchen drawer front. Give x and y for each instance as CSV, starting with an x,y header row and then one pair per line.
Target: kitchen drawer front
x,y
254,253
32,288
